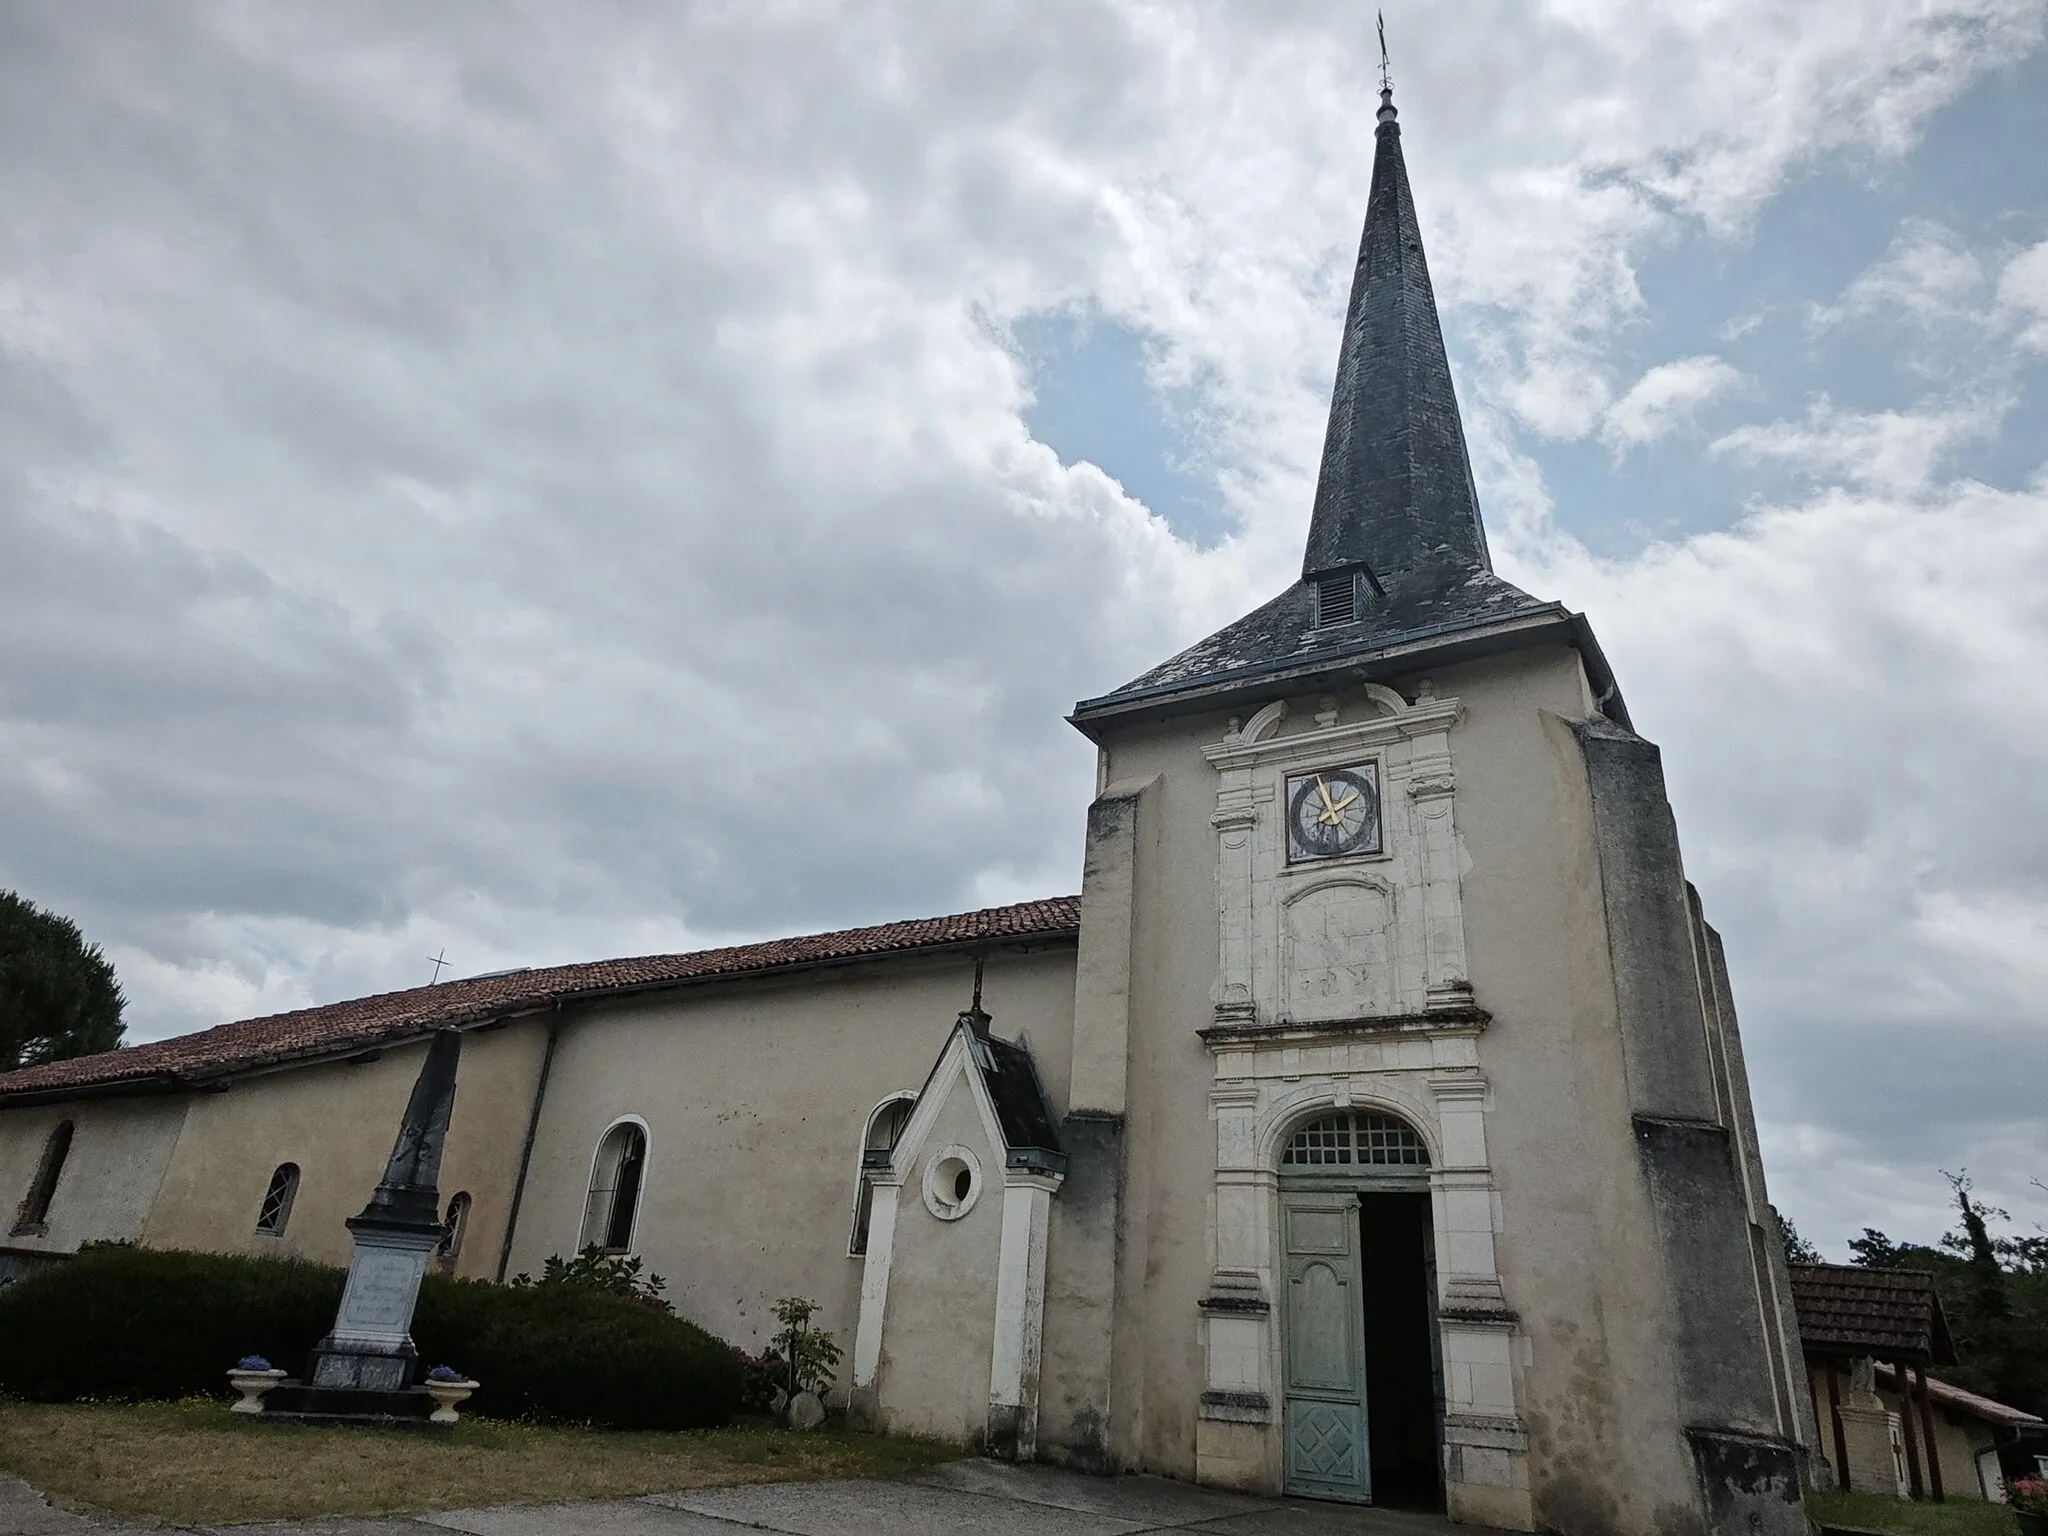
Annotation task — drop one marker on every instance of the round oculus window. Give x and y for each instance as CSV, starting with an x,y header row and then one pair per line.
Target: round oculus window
x,y
952,1182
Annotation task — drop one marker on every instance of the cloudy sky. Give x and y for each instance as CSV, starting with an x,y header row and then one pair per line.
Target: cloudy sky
x,y
557,481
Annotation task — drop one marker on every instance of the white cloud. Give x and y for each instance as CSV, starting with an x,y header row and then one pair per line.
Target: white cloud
x,y
1883,450
1929,275
2023,296
1664,399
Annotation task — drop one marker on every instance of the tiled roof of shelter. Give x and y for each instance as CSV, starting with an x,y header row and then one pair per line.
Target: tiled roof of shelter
x,y
1956,1400
1394,497
1892,1314
366,1022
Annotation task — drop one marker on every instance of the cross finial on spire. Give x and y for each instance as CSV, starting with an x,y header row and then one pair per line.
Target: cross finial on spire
x,y
1386,113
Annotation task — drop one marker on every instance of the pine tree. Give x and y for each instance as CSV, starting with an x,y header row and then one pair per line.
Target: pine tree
x,y
1873,1250
1984,1314
58,994
1797,1249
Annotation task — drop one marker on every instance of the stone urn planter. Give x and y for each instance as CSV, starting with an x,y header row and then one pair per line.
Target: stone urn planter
x,y
446,1395
252,1385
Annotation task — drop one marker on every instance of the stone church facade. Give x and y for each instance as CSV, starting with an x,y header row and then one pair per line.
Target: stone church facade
x,y
1373,1126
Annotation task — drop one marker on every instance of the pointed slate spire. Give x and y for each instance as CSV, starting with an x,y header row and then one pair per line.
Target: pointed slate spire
x,y
1395,493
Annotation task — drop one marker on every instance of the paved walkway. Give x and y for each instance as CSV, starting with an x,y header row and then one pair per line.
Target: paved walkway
x,y
965,1498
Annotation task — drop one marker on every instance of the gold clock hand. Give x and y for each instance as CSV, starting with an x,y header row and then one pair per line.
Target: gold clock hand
x,y
1328,815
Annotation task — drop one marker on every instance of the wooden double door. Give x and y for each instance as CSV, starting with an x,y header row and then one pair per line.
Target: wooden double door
x,y
1363,1396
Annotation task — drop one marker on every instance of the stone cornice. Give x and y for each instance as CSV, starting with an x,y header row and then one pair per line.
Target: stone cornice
x,y
1465,1020
1426,718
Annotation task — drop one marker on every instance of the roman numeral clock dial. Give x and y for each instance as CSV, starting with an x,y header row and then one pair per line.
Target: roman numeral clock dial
x,y
1333,812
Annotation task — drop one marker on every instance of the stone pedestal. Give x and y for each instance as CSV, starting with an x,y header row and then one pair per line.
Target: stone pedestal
x,y
370,1347
1874,1451
362,1372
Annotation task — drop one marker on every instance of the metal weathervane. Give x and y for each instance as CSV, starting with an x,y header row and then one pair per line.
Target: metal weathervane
x,y
1386,69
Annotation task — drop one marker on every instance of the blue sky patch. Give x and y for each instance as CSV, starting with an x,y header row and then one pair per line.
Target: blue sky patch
x,y
1096,402
1976,173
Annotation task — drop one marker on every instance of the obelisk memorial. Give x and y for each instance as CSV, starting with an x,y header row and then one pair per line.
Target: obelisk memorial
x,y
364,1366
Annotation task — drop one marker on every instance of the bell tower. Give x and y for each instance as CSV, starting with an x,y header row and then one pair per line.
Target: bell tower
x,y
1412,1157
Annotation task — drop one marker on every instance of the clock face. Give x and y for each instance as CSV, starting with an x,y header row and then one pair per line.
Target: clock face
x,y
1333,812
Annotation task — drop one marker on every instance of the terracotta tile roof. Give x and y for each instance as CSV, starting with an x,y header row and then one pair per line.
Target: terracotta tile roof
x,y
1967,1404
365,1022
1843,1309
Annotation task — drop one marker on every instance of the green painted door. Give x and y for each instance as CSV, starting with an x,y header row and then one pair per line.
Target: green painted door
x,y
1328,1456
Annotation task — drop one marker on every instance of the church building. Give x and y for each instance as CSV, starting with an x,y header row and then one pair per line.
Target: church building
x,y
1373,1126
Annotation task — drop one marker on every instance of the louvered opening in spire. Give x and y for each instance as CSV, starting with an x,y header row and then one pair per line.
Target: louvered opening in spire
x,y
1395,493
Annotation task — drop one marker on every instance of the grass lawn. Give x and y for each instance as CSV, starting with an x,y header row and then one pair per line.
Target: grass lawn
x,y
195,1463
1868,1512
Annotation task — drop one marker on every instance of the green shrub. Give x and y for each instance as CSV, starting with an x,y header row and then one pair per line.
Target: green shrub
x,y
578,1355
136,1324
143,1323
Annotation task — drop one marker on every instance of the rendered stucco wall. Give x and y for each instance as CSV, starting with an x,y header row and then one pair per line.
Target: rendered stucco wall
x,y
119,1151
337,1121
755,1098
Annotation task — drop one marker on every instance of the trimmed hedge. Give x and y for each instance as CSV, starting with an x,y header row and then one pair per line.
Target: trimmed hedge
x,y
135,1324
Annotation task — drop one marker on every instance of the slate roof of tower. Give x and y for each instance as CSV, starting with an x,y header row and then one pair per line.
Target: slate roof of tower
x,y
1394,497
1283,632
1893,1314
366,1023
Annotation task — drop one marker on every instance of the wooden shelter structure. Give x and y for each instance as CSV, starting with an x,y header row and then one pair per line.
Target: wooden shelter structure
x,y
1848,1313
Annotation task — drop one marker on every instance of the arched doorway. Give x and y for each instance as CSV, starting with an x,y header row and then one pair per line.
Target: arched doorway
x,y
1362,1374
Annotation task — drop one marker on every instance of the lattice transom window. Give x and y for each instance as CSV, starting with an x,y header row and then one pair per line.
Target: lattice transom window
x,y
276,1209
1352,1139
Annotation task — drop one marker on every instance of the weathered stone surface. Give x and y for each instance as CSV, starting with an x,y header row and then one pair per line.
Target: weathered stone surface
x,y
805,1411
966,1498
1155,1500
898,1509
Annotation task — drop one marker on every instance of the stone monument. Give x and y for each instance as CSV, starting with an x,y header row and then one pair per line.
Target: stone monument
x,y
1877,1456
363,1369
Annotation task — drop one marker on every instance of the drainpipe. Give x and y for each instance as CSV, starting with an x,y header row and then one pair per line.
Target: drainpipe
x,y
540,1093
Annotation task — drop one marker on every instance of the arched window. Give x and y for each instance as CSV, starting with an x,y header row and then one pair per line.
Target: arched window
x,y
33,1215
452,1226
1353,1139
614,1204
276,1209
884,1125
